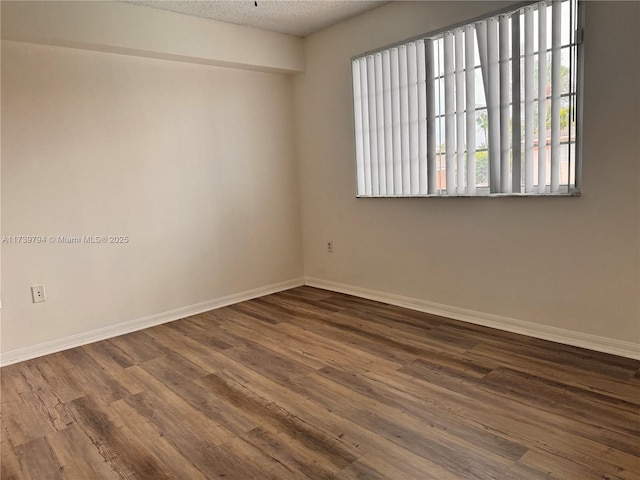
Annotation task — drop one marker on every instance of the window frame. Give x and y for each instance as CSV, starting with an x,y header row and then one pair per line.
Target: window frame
x,y
483,191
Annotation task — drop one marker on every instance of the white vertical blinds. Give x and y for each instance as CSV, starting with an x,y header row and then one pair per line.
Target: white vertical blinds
x,y
432,183
478,109
412,64
404,119
388,122
555,95
470,84
529,95
516,127
460,117
542,98
396,137
449,112
505,105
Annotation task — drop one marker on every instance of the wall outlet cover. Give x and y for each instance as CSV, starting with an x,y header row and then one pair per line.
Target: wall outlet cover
x,y
37,293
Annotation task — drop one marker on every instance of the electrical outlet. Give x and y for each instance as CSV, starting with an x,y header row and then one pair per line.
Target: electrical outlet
x,y
330,246
37,293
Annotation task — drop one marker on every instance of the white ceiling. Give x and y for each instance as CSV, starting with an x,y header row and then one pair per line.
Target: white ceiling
x,y
295,17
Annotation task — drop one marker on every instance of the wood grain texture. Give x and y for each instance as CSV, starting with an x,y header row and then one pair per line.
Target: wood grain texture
x,y
309,384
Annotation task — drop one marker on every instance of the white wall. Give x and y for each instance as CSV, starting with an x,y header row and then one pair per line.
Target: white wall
x,y
119,27
194,163
203,168
570,263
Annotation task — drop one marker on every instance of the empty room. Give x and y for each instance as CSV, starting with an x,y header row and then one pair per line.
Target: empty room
x,y
320,240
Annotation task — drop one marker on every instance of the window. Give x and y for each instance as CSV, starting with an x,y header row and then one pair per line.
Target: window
x,y
486,108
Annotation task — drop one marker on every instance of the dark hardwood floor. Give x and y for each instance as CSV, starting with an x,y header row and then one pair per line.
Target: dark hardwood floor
x,y
310,384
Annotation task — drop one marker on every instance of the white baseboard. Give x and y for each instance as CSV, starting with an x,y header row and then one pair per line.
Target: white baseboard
x,y
53,346
545,332
569,337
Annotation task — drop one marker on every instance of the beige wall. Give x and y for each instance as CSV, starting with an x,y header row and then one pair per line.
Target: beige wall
x,y
194,163
571,263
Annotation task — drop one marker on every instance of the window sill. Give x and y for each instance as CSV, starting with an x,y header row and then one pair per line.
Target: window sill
x,y
488,195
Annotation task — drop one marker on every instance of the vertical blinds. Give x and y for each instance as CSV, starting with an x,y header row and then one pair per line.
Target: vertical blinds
x,y
488,106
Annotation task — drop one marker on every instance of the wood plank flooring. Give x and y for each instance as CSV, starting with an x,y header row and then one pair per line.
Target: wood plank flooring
x,y
310,384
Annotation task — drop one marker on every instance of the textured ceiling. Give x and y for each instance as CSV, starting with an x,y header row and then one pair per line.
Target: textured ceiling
x,y
294,17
